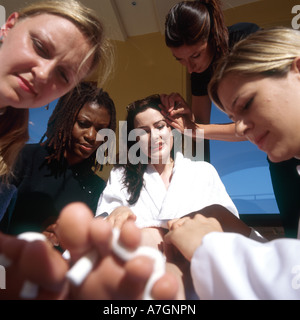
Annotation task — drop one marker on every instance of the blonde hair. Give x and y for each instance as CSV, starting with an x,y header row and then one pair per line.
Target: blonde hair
x,y
87,22
268,53
14,122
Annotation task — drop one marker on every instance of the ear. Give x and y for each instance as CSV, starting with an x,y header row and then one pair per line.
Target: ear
x,y
296,65
10,22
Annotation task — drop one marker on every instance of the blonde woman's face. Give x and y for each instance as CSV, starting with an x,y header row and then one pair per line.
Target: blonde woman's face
x,y
266,111
40,58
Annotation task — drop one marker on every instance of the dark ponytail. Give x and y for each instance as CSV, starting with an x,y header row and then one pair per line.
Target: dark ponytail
x,y
189,22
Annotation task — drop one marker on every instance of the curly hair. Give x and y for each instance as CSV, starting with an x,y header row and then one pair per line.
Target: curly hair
x,y
60,125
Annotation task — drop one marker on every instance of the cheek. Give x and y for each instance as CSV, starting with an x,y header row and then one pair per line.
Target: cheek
x,y
76,134
144,143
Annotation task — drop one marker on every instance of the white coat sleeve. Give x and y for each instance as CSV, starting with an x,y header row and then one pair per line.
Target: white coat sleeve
x,y
231,266
114,194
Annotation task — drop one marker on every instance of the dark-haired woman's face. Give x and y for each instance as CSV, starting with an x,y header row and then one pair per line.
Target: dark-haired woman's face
x,y
157,142
196,58
90,120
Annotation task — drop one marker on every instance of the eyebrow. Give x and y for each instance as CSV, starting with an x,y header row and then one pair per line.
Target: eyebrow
x,y
155,123
44,36
233,105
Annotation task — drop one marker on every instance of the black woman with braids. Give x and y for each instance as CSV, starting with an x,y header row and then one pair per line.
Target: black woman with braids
x,y
62,168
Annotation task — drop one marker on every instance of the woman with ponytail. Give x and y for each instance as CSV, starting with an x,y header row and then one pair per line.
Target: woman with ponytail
x,y
197,36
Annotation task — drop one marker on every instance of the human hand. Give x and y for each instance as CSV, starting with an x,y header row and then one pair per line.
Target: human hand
x,y
177,112
50,234
174,105
187,233
119,216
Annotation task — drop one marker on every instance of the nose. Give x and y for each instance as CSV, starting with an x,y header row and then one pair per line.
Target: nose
x,y
90,135
191,66
44,71
241,127
155,135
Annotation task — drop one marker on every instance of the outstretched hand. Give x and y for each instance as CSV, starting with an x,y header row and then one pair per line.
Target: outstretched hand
x,y
186,234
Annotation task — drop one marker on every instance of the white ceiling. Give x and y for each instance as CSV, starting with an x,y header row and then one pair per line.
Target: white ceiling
x,y
127,18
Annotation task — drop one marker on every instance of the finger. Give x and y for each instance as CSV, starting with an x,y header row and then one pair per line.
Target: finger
x,y
130,235
171,222
73,227
101,235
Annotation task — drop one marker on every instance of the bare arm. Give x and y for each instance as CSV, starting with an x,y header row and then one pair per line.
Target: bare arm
x,y
187,233
201,108
180,116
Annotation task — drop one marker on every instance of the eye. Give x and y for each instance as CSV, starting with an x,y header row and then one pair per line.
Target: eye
x,y
196,56
248,104
63,74
161,125
40,48
83,124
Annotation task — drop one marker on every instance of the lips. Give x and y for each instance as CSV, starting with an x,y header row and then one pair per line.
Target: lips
x,y
26,86
260,140
86,147
157,147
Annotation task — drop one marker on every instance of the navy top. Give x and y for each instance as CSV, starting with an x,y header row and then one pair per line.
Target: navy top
x,y
237,32
44,189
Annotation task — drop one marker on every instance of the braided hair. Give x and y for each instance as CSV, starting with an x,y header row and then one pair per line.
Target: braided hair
x,y
60,125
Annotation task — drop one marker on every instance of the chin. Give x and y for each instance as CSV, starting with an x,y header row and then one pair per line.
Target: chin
x,y
280,157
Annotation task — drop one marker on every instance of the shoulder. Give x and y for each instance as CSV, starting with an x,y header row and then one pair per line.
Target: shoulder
x,y
198,167
246,27
34,150
241,30
116,173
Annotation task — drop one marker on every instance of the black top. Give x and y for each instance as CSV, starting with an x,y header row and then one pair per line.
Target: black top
x,y
43,190
237,32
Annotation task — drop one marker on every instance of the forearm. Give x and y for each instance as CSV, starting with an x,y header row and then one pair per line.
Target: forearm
x,y
224,132
228,221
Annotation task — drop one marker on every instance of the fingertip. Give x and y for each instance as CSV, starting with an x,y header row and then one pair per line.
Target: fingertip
x,y
101,235
130,235
73,227
166,288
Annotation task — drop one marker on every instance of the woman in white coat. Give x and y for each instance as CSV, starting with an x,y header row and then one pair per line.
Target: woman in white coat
x,y
154,186
258,86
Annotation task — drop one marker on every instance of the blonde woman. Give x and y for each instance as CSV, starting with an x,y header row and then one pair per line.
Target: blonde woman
x,y
45,50
258,86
